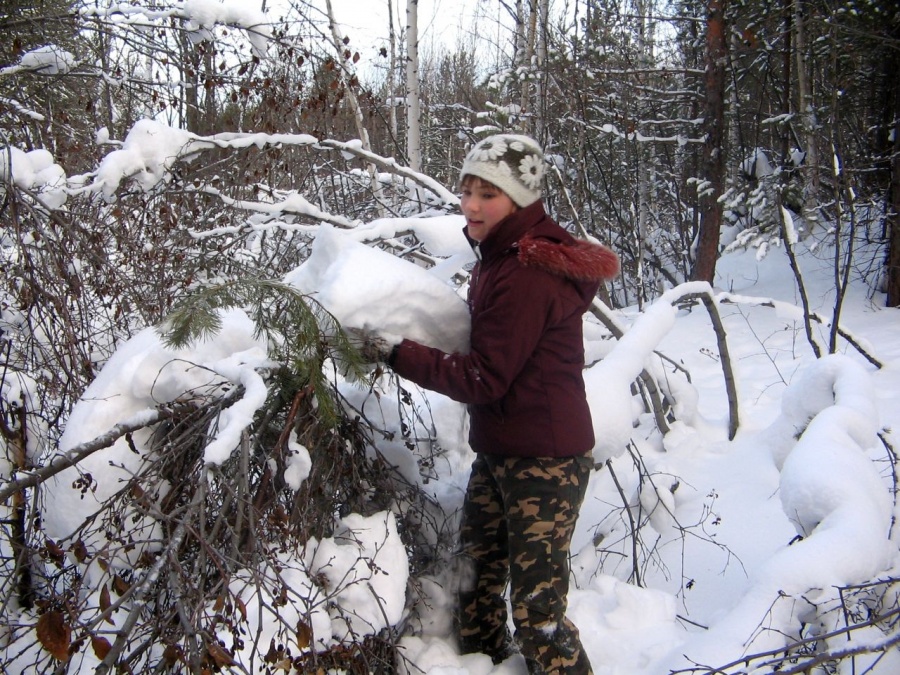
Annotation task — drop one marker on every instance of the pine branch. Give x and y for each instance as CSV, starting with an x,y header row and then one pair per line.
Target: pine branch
x,y
300,332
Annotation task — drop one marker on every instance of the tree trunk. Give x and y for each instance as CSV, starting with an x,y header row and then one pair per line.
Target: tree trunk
x,y
893,217
525,50
413,104
808,120
358,116
189,66
713,149
393,85
539,105
891,64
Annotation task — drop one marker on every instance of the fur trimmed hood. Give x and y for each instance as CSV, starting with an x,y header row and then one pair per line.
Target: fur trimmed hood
x,y
580,261
539,243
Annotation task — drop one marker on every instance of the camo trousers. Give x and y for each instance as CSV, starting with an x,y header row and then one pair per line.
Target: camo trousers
x,y
517,524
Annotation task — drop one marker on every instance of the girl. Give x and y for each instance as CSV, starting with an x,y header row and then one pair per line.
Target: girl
x,y
530,424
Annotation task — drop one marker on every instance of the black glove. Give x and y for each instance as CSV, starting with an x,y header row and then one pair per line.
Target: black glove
x,y
373,347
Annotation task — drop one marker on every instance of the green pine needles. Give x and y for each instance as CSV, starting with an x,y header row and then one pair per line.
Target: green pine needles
x,y
301,334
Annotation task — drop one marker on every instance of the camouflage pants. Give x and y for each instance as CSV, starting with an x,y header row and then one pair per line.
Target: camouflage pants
x,y
517,524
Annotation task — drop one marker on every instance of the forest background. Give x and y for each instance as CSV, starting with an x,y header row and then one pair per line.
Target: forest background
x,y
170,159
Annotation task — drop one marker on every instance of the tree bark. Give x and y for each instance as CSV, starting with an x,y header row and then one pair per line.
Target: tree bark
x,y
893,267
893,216
807,112
413,103
713,149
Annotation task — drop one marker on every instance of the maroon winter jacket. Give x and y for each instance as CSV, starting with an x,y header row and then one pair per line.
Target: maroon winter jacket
x,y
522,379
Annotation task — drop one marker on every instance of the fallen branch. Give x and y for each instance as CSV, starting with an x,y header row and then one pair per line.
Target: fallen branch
x,y
72,457
814,316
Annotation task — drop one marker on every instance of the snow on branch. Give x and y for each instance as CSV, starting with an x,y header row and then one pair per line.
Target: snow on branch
x,y
609,380
792,312
46,60
390,164
19,108
201,16
151,149
73,456
291,204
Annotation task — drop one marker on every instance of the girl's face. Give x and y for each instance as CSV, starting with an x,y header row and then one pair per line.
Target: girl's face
x,y
484,205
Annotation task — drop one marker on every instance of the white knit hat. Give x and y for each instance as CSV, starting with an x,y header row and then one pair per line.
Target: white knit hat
x,y
515,164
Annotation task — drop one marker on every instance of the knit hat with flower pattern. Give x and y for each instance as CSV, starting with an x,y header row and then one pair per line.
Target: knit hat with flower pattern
x,y
513,163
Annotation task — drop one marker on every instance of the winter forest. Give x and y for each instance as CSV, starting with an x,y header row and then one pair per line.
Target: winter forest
x,y
200,474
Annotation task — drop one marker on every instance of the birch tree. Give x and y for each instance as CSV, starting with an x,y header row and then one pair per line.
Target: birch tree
x,y
413,97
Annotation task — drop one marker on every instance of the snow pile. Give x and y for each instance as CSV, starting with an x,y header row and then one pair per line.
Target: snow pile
x,y
367,288
834,496
830,489
343,587
140,375
441,236
365,570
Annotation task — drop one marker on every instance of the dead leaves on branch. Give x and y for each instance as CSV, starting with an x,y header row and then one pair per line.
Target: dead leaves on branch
x,y
54,634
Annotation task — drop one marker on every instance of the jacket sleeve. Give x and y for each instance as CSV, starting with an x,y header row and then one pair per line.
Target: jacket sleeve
x,y
510,322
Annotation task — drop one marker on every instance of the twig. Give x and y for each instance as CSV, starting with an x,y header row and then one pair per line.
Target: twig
x,y
634,528
143,588
79,452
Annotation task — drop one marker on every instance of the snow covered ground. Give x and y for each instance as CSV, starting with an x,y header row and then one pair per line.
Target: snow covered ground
x,y
721,572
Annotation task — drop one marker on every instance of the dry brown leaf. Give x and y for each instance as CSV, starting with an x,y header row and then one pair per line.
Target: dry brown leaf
x,y
54,635
242,608
79,550
54,550
120,585
101,646
105,602
218,654
172,655
304,635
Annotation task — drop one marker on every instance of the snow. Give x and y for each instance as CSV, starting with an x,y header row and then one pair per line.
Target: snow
x,y
47,60
140,375
352,582
362,287
364,564
147,155
299,463
608,383
752,538
35,171
205,14
805,462
201,17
